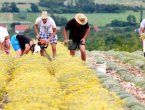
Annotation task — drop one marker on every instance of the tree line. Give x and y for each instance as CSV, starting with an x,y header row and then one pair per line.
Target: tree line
x,y
131,21
116,39
84,6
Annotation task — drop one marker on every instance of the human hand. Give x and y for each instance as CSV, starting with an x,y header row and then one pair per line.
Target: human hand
x,y
141,39
38,36
83,41
47,41
65,42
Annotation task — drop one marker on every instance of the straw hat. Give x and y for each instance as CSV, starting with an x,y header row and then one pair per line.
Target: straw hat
x,y
44,15
81,18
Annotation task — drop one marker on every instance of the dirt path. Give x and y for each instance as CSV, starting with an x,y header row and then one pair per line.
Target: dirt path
x,y
10,16
2,15
138,92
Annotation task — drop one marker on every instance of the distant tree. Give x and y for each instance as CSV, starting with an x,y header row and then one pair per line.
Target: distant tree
x,y
89,8
131,20
34,8
28,10
83,2
51,7
5,7
63,21
46,3
117,23
141,13
30,32
14,7
15,23
71,2
60,21
9,7
136,9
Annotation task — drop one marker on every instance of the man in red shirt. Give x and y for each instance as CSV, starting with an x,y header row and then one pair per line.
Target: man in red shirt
x,y
78,31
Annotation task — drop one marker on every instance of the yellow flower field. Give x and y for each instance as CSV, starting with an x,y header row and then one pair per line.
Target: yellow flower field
x,y
67,83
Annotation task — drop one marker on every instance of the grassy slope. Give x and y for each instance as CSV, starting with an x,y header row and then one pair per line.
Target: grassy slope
x,y
101,19
97,19
124,2
26,1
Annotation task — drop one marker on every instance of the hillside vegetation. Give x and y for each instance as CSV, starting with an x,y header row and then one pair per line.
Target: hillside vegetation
x,y
96,19
26,1
101,19
124,2
121,2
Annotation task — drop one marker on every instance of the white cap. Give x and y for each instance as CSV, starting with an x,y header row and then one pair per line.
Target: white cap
x,y
36,49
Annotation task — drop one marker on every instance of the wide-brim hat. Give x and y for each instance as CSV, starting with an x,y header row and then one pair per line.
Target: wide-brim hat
x,y
37,49
81,18
44,15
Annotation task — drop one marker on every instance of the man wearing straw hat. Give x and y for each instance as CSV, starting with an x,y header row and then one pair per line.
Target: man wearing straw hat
x,y
78,31
47,31
4,40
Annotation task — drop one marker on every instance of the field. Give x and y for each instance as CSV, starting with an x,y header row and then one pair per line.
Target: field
x,y
101,19
66,83
124,2
26,1
96,19
33,82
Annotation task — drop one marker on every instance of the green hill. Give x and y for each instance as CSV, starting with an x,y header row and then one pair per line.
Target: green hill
x,y
124,2
101,19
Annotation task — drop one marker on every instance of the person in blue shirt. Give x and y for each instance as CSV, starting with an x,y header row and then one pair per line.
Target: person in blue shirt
x,y
23,44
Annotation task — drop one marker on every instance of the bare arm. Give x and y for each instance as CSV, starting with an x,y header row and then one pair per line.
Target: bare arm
x,y
54,32
52,35
27,49
65,35
140,32
7,42
36,30
85,36
2,45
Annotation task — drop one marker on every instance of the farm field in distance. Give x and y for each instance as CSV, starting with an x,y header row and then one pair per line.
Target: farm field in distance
x,y
123,2
101,19
96,19
26,1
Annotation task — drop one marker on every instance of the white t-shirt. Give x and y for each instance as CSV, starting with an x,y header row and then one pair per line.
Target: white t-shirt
x,y
47,27
3,34
142,24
